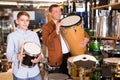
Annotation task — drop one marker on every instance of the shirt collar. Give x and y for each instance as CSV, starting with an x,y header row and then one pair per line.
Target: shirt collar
x,y
55,21
21,31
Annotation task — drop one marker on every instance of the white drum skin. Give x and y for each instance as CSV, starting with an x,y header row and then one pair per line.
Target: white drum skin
x,y
31,51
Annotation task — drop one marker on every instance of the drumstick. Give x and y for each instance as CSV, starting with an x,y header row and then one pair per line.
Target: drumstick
x,y
22,46
36,30
21,52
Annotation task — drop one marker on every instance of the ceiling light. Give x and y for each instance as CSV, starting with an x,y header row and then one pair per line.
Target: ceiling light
x,y
8,3
46,0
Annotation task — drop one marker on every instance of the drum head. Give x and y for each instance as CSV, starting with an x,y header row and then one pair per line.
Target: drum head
x,y
85,57
57,76
113,60
71,21
32,48
86,61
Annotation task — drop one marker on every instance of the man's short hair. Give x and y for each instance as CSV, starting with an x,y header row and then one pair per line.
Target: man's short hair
x,y
52,6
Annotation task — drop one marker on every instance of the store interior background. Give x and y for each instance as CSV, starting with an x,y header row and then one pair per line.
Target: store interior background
x,y
89,11
38,13
38,17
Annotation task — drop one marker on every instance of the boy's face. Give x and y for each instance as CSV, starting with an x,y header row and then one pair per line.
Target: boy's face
x,y
23,22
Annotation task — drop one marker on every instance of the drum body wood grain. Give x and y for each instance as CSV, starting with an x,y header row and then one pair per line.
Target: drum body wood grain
x,y
84,69
114,64
73,33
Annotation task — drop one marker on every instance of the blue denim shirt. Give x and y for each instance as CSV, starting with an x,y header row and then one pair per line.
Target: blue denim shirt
x,y
14,40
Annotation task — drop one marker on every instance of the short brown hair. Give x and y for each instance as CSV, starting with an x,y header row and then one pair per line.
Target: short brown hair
x,y
22,13
52,6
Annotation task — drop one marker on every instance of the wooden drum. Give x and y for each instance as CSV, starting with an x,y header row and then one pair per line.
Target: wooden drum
x,y
114,64
81,67
73,33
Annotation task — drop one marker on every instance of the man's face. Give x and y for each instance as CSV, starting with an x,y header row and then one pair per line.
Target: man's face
x,y
56,13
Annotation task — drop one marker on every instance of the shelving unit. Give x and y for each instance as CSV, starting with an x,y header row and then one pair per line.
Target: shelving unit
x,y
106,6
106,38
115,6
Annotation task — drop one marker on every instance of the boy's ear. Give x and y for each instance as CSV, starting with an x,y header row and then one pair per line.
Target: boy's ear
x,y
16,21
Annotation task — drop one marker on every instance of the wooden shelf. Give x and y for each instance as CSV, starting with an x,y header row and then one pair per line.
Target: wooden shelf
x,y
105,6
108,38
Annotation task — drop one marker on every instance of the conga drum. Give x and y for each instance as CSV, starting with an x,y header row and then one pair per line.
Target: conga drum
x,y
114,64
31,51
73,33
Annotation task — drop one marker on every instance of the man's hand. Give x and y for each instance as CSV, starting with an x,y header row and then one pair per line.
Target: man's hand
x,y
58,24
84,43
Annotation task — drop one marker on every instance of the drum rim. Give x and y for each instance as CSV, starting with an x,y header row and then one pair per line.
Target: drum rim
x,y
35,55
113,52
81,57
106,60
28,52
72,24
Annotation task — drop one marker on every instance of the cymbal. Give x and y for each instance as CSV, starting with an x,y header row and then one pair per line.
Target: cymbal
x,y
36,30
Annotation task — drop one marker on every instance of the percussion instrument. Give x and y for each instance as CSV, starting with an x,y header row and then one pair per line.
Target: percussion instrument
x,y
57,76
5,65
73,33
113,53
81,65
114,64
94,46
31,51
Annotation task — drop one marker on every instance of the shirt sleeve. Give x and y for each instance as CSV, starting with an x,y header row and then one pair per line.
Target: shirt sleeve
x,y
10,51
38,42
36,39
48,36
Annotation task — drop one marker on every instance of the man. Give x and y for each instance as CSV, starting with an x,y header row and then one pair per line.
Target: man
x,y
58,51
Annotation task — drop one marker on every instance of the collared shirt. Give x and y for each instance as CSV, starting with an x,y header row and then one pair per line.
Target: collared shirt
x,y
14,40
65,48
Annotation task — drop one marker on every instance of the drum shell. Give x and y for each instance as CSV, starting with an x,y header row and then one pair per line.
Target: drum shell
x,y
112,53
74,36
26,62
5,65
78,72
113,63
31,51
